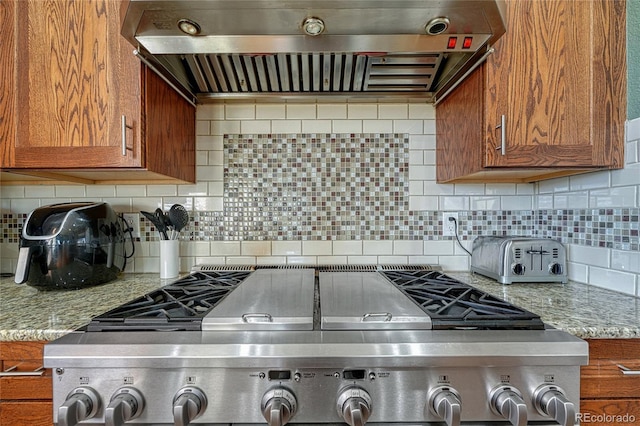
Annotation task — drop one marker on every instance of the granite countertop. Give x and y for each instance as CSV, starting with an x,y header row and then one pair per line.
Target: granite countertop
x,y
29,314
582,310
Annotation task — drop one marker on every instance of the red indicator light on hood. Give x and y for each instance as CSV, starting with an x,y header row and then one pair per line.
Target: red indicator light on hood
x,y
452,42
466,43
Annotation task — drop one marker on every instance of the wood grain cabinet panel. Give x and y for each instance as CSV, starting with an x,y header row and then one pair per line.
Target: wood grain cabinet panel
x,y
606,412
607,396
7,82
34,413
557,80
25,400
75,79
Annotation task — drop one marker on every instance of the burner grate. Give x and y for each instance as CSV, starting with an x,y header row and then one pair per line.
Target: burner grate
x,y
180,305
452,304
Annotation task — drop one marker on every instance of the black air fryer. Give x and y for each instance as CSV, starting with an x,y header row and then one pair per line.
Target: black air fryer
x,y
70,246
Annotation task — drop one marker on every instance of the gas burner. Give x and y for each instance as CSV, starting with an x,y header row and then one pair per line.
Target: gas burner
x,y
180,305
452,304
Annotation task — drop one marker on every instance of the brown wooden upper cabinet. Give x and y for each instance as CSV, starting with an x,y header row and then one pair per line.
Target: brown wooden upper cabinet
x,y
80,106
551,100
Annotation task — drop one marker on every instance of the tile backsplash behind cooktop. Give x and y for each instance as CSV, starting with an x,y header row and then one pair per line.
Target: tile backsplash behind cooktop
x,y
312,186
355,186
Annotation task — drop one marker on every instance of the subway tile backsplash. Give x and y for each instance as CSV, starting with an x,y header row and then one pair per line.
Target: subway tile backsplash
x,y
354,182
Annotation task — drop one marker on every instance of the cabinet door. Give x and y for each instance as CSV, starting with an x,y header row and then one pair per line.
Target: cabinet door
x,y
33,413
24,400
558,78
169,130
607,396
70,99
7,82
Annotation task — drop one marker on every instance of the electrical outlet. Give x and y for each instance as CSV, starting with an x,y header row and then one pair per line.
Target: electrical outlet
x,y
449,226
133,220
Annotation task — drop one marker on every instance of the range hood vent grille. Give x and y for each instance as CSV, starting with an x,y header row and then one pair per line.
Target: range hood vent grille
x,y
313,72
363,49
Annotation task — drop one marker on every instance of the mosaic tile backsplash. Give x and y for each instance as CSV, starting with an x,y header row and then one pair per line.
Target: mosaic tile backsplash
x,y
291,187
608,228
316,186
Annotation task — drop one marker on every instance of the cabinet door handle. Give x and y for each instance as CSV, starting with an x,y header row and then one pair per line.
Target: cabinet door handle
x,y
11,372
627,371
503,135
125,126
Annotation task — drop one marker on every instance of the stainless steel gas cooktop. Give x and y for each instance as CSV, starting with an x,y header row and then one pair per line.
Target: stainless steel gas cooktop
x,y
322,345
204,301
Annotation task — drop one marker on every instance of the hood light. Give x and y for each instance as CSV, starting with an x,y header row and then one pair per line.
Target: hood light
x,y
189,27
313,26
437,26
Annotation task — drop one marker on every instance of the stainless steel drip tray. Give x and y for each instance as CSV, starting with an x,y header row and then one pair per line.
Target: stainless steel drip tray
x,y
366,301
267,300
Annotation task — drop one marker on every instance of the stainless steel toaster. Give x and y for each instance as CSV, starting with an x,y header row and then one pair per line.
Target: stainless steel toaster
x,y
519,259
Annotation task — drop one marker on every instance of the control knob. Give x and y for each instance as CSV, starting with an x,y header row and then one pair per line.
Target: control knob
x,y
518,269
444,402
555,269
81,404
354,405
278,406
126,404
189,403
507,402
551,401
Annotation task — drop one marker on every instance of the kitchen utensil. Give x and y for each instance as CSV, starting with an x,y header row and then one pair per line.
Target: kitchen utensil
x,y
151,217
155,221
162,223
179,217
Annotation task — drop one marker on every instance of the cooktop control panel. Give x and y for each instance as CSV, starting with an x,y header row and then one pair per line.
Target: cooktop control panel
x,y
318,395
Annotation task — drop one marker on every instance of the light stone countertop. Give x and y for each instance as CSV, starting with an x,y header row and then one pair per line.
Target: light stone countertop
x,y
580,309
29,314
585,311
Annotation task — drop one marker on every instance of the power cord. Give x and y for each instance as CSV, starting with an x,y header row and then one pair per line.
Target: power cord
x,y
128,229
455,231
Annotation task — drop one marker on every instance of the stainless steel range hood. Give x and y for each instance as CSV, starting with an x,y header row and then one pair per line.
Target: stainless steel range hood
x,y
212,49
